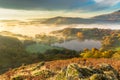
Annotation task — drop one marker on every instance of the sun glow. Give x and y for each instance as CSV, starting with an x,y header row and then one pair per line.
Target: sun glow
x,y
11,14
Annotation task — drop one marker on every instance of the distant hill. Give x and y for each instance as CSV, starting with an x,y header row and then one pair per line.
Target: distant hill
x,y
67,20
113,17
106,18
18,36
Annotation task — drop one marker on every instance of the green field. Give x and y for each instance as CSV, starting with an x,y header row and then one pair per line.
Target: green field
x,y
39,48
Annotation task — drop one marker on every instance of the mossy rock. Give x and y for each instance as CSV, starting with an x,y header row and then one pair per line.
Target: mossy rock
x,y
105,67
18,78
110,75
108,68
45,73
39,65
61,76
98,77
74,72
80,72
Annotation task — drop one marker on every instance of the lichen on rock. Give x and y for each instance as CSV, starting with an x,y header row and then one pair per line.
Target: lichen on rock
x,y
74,72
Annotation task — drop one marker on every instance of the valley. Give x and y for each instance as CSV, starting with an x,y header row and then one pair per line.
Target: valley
x,y
61,44
59,39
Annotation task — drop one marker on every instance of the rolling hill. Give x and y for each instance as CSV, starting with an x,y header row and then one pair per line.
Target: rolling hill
x,y
105,18
113,17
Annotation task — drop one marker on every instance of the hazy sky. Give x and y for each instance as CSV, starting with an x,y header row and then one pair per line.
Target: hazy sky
x,y
21,9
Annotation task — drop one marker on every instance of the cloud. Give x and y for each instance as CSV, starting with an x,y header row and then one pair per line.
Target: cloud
x,y
41,4
64,5
102,5
107,2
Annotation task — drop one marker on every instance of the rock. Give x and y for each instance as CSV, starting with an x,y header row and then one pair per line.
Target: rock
x,y
105,67
110,75
45,74
18,78
74,72
109,70
39,66
98,77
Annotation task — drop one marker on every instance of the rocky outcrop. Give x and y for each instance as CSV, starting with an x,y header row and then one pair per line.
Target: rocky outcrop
x,y
75,72
70,72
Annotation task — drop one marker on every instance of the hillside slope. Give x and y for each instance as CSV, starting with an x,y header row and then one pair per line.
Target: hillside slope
x,y
113,17
71,69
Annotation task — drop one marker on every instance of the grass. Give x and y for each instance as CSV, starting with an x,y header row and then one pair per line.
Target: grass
x,y
56,66
40,48
118,48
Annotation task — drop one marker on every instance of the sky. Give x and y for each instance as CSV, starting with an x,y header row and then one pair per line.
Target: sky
x,y
28,9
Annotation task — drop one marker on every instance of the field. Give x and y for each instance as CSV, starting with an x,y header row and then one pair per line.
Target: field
x,y
39,48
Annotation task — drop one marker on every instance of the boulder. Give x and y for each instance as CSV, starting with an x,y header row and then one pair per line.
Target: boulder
x,y
76,72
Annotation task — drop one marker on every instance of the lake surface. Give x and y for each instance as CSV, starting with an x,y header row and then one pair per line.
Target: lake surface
x,y
79,45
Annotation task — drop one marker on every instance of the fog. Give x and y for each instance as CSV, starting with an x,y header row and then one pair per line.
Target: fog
x,y
31,30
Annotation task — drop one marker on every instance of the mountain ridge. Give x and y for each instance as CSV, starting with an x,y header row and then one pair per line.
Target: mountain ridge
x,y
105,18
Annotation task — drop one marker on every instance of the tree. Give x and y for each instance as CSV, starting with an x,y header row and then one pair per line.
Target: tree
x,y
107,54
88,55
94,50
86,50
80,35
